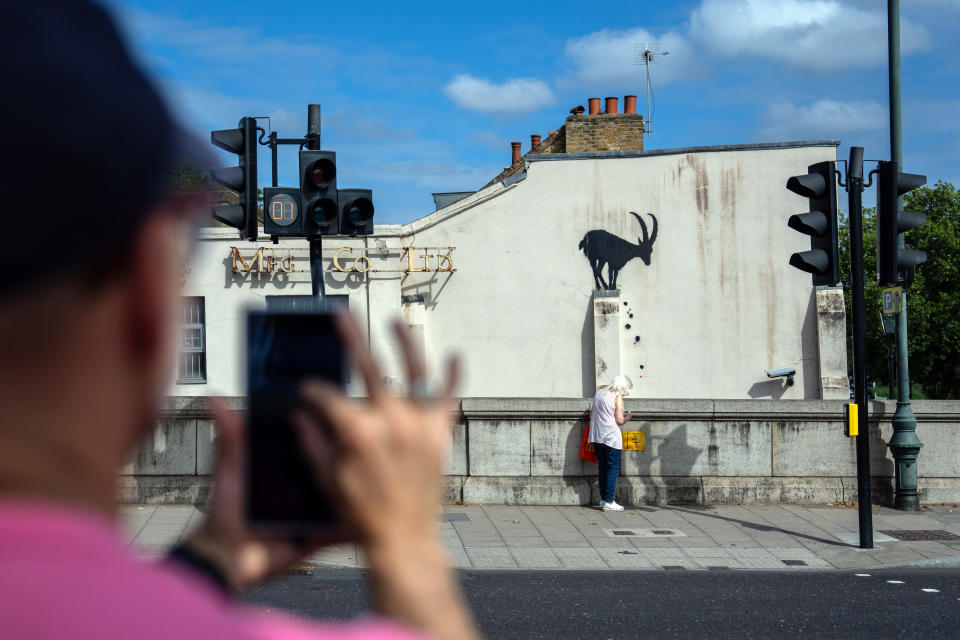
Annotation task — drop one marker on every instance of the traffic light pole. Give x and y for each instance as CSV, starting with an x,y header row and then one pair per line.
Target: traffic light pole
x,y
854,194
904,445
316,242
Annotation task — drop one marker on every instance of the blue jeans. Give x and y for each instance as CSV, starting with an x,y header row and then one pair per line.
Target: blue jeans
x,y
608,468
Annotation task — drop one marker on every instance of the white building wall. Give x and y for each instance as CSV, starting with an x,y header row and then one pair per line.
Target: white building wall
x,y
717,306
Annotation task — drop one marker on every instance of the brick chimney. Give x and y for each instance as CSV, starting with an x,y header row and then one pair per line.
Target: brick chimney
x,y
608,131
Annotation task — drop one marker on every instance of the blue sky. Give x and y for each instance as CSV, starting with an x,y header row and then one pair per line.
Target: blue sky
x,y
425,97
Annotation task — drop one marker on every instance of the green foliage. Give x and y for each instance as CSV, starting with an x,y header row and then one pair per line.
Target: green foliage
x,y
189,177
933,301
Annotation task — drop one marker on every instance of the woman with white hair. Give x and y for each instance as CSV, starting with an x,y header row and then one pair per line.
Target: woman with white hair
x,y
606,417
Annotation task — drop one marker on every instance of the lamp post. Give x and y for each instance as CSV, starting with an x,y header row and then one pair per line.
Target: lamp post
x,y
904,445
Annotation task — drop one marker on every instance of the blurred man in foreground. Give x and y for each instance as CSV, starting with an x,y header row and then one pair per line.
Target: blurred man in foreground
x,y
89,304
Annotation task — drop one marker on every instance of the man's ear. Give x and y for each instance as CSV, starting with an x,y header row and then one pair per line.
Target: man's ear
x,y
155,261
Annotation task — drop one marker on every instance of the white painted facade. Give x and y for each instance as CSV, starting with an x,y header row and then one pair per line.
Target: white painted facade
x,y
717,306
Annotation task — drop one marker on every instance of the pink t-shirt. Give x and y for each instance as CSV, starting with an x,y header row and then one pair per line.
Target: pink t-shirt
x,y
66,573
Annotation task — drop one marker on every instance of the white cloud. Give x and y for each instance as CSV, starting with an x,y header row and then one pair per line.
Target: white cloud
x,y
608,60
516,95
822,35
822,119
221,45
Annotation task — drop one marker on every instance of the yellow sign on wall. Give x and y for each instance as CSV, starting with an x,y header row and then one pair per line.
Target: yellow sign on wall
x,y
853,419
634,441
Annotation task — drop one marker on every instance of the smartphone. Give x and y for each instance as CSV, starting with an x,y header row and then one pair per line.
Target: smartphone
x,y
284,348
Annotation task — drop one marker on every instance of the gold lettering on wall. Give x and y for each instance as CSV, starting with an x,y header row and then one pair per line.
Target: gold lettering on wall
x,y
257,263
245,267
341,261
410,267
426,260
336,259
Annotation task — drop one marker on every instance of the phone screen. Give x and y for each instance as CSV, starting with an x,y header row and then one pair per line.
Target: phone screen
x,y
283,349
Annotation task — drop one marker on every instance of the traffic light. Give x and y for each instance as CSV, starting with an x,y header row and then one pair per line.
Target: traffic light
x,y
820,223
242,179
281,211
896,265
356,211
318,193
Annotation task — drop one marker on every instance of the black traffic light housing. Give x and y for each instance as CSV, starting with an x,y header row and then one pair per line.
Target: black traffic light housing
x,y
356,212
318,193
896,265
242,179
282,211
819,185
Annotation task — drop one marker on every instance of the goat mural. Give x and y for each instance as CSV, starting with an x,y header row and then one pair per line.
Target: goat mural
x,y
603,248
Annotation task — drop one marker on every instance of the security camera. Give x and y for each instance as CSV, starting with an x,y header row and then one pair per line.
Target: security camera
x,y
789,372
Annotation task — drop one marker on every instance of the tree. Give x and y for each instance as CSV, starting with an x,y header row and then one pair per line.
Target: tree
x,y
933,301
190,177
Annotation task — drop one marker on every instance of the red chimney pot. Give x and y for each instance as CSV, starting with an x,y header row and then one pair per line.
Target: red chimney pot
x,y
594,104
534,141
611,105
629,104
516,152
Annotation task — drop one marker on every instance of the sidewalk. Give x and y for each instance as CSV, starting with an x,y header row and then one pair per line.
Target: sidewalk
x,y
788,537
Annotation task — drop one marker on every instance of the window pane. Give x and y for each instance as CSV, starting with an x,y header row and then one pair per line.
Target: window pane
x,y
192,338
192,366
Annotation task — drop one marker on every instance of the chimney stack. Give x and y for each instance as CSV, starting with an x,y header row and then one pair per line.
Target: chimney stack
x,y
594,104
534,141
629,104
516,152
611,105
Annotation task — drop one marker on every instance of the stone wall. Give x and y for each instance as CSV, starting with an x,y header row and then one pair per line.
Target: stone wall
x,y
525,451
604,132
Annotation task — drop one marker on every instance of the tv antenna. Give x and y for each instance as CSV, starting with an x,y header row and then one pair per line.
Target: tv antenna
x,y
648,53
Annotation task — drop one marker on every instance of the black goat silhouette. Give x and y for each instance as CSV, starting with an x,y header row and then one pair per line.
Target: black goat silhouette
x,y
603,248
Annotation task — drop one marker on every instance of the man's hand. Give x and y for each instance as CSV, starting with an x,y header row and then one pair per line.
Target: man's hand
x,y
384,457
383,460
223,538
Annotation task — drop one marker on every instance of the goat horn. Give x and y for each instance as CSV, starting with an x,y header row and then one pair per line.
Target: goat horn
x,y
642,225
653,236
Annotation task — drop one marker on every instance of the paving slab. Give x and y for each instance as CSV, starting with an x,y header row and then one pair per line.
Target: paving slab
x,y
579,558
491,558
536,558
624,559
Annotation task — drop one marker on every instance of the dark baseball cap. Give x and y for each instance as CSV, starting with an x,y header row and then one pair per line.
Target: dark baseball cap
x,y
89,144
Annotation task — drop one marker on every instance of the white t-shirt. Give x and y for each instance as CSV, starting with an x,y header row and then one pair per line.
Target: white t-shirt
x,y
603,421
